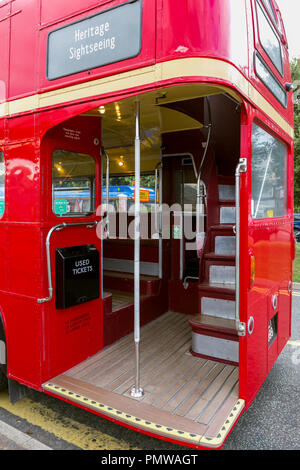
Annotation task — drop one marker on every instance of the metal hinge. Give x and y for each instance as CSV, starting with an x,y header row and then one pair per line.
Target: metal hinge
x,y
243,165
241,328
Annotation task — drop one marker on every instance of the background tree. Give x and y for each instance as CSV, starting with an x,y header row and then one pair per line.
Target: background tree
x,y
295,65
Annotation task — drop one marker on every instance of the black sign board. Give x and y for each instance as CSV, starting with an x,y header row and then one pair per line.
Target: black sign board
x,y
77,275
101,39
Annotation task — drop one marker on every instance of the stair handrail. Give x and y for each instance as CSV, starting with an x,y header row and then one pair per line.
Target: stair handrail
x,y
241,168
201,190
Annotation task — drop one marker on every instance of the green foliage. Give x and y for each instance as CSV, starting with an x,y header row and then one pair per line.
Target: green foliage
x,y
295,67
147,180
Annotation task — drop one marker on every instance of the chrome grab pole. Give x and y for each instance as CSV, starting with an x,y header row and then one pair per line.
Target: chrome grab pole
x,y
160,252
107,191
158,214
136,390
156,201
181,256
241,168
57,228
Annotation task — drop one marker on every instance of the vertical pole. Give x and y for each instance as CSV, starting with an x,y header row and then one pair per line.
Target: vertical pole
x,y
158,214
101,257
137,391
160,252
107,192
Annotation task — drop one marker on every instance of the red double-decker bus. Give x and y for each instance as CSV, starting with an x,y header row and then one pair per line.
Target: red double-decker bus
x,y
162,315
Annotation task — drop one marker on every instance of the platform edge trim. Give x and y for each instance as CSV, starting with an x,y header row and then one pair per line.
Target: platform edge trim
x,y
122,416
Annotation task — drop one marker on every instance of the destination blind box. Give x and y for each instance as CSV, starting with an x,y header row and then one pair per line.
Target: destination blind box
x,y
77,275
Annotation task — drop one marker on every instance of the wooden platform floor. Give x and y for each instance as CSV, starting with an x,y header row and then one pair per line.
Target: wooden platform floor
x,y
185,398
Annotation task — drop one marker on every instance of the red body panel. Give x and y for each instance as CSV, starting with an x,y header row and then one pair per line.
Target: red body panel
x,y
270,241
201,31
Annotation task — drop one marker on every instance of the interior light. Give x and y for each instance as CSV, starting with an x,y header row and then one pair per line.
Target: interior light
x,y
121,163
102,110
118,112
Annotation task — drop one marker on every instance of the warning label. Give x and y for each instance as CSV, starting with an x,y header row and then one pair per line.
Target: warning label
x,y
77,323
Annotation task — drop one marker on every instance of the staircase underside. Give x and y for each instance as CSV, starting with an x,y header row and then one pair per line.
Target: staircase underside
x,y
187,399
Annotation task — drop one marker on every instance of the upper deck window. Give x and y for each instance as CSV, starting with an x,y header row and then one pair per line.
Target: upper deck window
x,y
270,9
269,79
73,183
269,39
2,184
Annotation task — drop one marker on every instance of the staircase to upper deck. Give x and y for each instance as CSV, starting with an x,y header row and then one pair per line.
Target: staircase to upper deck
x,y
213,329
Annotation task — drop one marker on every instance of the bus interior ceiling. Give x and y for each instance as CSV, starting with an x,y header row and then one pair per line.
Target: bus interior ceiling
x,y
174,131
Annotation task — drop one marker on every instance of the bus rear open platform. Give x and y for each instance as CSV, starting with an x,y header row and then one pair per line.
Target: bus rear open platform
x,y
186,398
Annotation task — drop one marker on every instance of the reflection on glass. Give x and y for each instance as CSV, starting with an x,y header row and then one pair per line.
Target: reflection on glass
x,y
270,81
269,39
269,175
270,10
73,183
122,192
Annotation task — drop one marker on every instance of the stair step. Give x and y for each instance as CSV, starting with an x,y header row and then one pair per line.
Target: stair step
x,y
220,257
227,214
222,228
226,192
219,308
219,274
227,202
208,324
224,245
215,290
214,338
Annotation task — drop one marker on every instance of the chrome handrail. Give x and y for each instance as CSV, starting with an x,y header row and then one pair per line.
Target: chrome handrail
x,y
58,228
241,168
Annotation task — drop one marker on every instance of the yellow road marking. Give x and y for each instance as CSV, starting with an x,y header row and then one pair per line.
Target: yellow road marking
x,y
296,294
294,343
80,435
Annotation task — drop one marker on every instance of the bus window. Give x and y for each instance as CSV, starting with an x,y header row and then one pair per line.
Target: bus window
x,y
269,39
269,175
2,184
73,183
269,80
122,192
270,9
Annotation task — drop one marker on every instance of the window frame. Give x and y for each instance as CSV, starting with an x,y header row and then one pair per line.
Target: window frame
x,y
260,8
272,132
93,194
271,13
257,56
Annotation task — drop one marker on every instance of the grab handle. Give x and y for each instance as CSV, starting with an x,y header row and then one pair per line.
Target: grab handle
x,y
58,228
